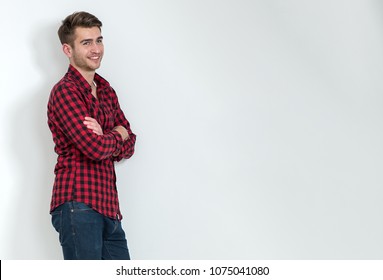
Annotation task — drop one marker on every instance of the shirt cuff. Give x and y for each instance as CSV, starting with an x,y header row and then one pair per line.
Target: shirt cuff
x,y
119,141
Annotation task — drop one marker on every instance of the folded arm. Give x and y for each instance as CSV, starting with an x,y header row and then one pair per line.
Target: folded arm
x,y
69,113
127,149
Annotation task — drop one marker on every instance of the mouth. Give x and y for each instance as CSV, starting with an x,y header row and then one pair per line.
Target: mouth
x,y
95,58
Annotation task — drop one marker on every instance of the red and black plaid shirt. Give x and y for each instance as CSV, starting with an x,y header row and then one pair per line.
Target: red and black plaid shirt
x,y
85,164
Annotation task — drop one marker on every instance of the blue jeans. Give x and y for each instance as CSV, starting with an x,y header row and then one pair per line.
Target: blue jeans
x,y
85,234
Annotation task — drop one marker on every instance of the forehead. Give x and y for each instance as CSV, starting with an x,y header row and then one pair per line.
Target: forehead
x,y
82,33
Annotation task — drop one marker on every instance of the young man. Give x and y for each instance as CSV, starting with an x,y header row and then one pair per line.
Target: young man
x,y
90,133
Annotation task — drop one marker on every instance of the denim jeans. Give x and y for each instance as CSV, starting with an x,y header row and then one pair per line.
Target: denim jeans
x,y
85,234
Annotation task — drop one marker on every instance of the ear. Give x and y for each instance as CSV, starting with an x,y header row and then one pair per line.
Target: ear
x,y
67,49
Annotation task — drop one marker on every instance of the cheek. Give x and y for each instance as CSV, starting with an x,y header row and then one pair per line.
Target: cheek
x,y
75,53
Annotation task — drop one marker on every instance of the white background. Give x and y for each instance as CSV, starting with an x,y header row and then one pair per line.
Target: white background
x,y
259,126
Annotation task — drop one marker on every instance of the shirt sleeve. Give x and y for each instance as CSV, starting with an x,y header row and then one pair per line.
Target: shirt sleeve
x,y
127,149
70,111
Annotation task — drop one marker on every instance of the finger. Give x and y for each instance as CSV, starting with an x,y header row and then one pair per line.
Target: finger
x,y
90,125
93,122
96,131
93,125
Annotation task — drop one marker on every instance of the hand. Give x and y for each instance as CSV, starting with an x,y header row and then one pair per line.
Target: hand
x,y
93,125
122,130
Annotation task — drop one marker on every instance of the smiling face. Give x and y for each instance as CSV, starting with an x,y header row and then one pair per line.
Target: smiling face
x,y
87,49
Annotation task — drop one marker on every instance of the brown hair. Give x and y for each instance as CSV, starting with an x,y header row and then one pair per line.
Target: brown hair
x,y
67,29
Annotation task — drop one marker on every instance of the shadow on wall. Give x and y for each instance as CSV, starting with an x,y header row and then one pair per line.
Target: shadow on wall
x,y
32,146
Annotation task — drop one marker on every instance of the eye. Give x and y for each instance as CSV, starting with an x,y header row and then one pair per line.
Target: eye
x,y
99,41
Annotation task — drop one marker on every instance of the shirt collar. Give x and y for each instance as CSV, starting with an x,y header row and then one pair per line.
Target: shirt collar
x,y
74,74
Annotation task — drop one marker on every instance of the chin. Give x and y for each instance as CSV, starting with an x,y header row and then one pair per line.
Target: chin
x,y
93,67
96,66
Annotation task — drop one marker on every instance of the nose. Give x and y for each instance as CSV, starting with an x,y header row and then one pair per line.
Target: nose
x,y
96,49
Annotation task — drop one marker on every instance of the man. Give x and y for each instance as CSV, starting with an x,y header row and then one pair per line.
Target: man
x,y
90,133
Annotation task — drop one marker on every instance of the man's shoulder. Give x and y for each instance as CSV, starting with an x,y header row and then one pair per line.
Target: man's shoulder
x,y
66,90
72,78
66,84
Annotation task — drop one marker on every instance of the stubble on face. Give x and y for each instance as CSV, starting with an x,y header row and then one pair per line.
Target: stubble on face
x,y
88,49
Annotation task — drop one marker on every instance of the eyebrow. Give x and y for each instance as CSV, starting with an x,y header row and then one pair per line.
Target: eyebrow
x,y
90,40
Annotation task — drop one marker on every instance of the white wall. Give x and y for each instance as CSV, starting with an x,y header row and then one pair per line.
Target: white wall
x,y
259,126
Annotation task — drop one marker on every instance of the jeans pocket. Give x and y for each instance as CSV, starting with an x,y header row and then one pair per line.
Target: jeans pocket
x,y
57,222
80,207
